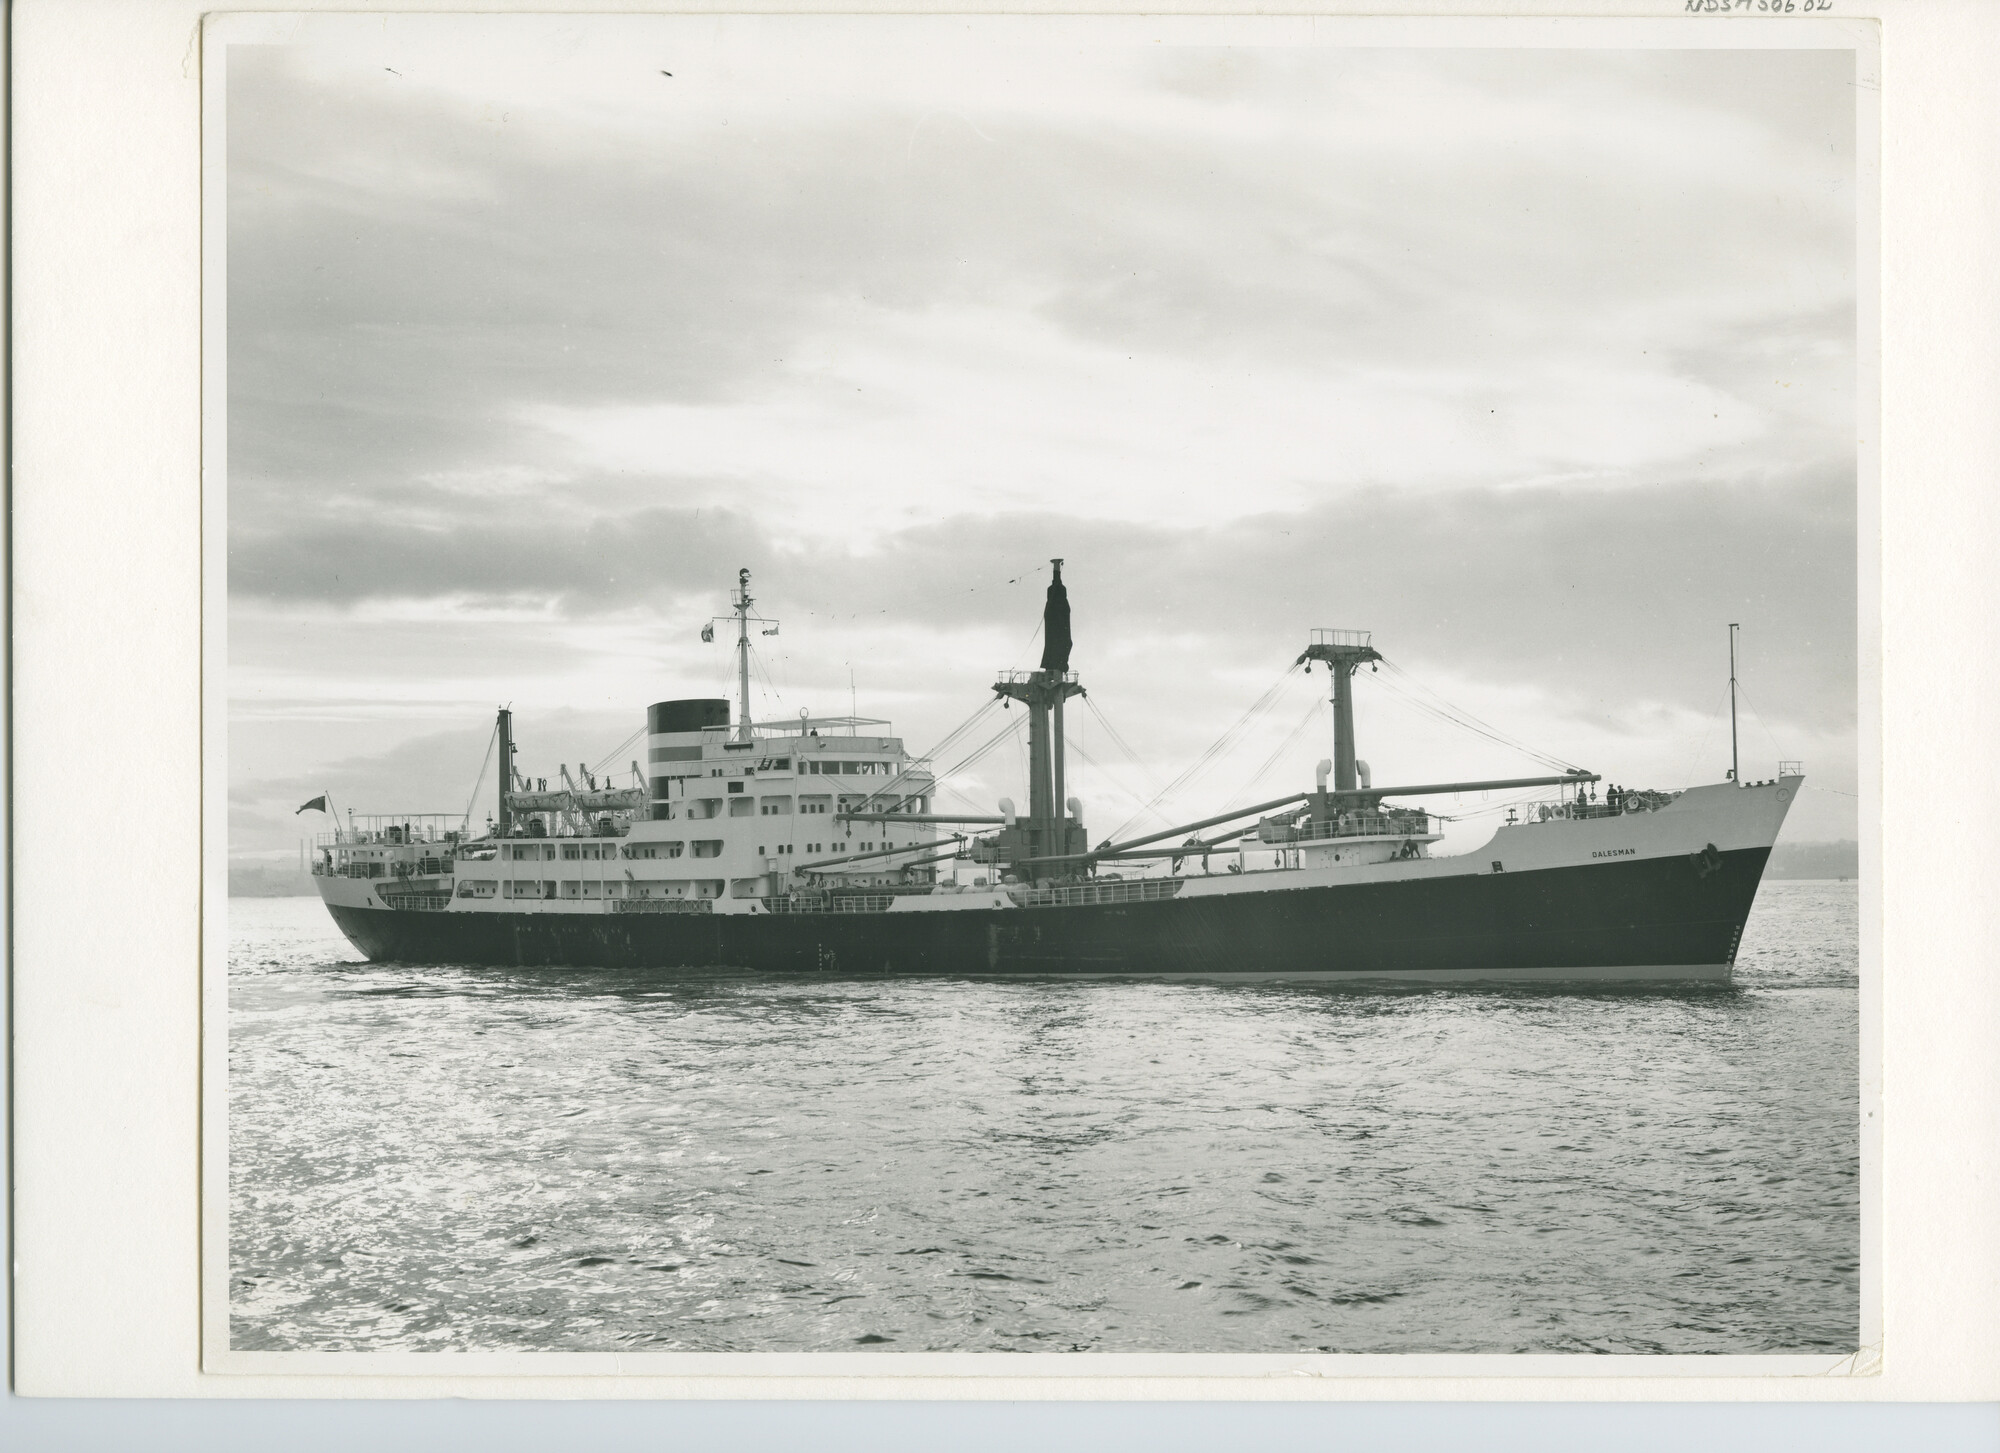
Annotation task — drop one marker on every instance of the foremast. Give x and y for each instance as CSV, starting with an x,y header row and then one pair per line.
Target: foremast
x,y
1342,652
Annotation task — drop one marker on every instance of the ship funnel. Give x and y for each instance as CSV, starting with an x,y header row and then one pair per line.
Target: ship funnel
x,y
1076,810
1323,771
1361,771
1007,810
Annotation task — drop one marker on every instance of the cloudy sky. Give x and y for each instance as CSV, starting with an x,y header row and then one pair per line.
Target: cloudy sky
x,y
1538,364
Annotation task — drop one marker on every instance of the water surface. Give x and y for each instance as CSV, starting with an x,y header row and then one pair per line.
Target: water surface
x,y
505,1159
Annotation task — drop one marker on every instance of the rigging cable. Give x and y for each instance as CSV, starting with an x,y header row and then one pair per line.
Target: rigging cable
x,y
1219,748
951,738
1036,634
1432,713
1714,719
1291,739
763,671
1461,717
955,736
617,751
1011,729
1224,744
1760,720
1119,741
1105,772
1487,809
1447,706
478,782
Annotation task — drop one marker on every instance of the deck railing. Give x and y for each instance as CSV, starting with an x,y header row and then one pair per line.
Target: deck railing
x,y
1633,801
831,902
426,902
1079,895
1323,637
1017,677
395,829
1358,824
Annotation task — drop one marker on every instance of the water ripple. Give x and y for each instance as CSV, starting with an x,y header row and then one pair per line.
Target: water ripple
x,y
462,1158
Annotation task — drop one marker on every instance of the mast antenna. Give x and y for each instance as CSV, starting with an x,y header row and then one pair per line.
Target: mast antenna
x,y
743,650
741,605
1735,774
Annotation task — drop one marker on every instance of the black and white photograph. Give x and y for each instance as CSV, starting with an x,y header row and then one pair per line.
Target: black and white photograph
x,y
1041,686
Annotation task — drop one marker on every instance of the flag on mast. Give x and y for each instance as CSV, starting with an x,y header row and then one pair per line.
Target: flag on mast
x,y
318,804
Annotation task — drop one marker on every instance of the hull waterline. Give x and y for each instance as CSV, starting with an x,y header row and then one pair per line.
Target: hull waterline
x,y
1658,920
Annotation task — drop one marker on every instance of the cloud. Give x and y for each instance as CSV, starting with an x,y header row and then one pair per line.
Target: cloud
x,y
1598,595
1540,364
521,551
1386,250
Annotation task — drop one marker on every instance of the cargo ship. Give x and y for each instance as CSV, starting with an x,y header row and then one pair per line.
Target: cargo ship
x,y
817,846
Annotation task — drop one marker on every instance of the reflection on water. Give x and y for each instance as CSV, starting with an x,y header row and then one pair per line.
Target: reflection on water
x,y
581,1160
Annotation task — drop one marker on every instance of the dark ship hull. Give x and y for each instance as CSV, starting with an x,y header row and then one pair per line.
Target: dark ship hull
x,y
1666,919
